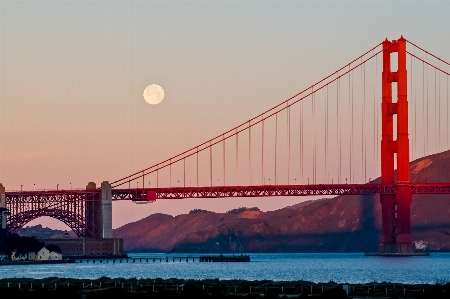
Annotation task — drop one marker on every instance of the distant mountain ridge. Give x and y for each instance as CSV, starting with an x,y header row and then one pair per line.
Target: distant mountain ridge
x,y
340,224
43,232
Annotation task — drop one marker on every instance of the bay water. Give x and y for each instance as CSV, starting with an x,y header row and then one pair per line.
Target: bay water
x,y
315,267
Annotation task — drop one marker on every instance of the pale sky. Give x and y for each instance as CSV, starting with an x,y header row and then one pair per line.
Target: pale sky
x,y
72,74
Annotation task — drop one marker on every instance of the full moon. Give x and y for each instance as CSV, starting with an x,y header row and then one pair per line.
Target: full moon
x,y
153,94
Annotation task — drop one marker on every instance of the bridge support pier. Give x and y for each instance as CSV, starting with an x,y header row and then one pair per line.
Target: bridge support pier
x,y
2,207
396,226
99,211
106,210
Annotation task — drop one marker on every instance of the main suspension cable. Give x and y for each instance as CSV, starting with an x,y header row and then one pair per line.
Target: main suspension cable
x,y
416,46
186,154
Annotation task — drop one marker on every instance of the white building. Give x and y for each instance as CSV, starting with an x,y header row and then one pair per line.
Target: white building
x,y
55,256
41,255
44,255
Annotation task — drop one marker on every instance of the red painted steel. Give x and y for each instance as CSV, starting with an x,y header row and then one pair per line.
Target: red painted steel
x,y
396,226
403,197
70,207
387,147
276,190
152,194
81,209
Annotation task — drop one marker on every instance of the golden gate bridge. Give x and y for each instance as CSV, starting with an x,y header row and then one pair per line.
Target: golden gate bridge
x,y
321,141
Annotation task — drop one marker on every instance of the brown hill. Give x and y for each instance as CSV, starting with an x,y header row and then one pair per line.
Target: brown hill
x,y
44,232
340,224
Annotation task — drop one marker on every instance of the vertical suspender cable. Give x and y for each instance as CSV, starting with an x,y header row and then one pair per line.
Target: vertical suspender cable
x,y
197,166
237,158
301,142
363,132
337,127
210,163
339,134
439,112
263,179
427,132
435,112
362,123
276,140
250,153
415,110
410,102
184,172
313,134
170,172
326,139
224,178
350,76
376,117
423,106
288,123
337,120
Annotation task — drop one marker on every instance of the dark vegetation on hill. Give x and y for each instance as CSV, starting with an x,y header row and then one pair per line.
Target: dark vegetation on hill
x,y
242,209
340,224
23,245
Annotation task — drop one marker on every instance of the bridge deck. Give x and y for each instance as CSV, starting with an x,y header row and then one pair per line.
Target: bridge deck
x,y
151,194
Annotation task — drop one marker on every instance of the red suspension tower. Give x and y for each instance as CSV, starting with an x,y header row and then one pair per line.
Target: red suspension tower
x,y
396,226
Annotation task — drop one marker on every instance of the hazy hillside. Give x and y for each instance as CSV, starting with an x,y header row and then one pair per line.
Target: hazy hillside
x,y
344,223
43,232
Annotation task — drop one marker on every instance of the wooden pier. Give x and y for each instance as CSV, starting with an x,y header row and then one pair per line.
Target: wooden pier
x,y
100,260
167,259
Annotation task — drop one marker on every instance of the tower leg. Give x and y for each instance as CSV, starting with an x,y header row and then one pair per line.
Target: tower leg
x,y
92,213
106,210
2,207
387,150
404,195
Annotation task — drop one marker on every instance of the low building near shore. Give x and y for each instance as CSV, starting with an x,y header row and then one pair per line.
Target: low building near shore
x,y
55,256
87,246
44,255
39,255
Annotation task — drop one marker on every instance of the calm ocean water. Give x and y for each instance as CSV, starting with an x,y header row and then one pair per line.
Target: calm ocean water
x,y
317,267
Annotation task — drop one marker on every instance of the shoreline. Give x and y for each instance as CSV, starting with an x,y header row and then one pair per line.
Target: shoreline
x,y
9,263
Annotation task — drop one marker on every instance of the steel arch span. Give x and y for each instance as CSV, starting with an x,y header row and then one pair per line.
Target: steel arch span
x,y
79,209
73,220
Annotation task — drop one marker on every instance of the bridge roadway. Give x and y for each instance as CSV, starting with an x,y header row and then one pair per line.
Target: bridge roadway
x,y
146,195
